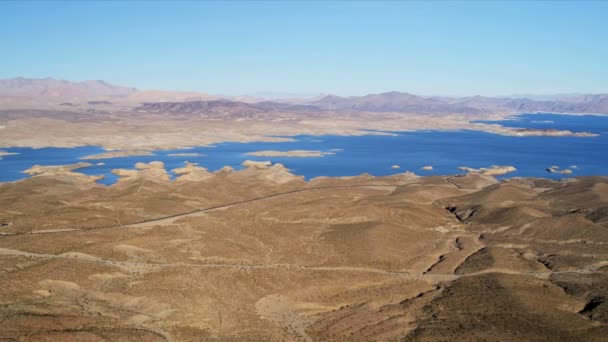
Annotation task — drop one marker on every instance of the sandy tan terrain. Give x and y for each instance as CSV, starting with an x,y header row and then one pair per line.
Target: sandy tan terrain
x,y
260,254
136,132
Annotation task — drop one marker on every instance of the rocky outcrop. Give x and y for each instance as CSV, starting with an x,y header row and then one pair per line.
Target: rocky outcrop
x,y
493,170
63,173
192,173
555,169
265,170
153,171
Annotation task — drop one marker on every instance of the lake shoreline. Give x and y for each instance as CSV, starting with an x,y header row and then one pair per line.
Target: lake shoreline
x,y
339,155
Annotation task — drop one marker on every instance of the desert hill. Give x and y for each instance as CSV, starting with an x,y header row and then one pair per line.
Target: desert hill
x,y
260,254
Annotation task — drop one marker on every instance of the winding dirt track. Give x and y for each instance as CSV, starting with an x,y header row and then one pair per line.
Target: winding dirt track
x,y
449,180
280,313
169,218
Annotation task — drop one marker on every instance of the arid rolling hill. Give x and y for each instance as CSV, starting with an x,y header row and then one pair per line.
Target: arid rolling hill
x,y
260,254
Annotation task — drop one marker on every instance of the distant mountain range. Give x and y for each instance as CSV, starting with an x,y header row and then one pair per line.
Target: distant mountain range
x,y
224,107
389,102
50,89
89,92
408,103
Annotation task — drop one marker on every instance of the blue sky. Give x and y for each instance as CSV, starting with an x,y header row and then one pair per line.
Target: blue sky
x,y
346,48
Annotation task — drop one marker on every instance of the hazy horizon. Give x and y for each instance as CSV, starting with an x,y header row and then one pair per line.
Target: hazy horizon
x,y
285,95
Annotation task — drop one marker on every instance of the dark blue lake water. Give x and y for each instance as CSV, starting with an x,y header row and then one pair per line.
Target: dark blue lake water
x,y
375,154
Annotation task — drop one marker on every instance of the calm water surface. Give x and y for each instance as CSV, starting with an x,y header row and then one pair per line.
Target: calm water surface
x,y
375,154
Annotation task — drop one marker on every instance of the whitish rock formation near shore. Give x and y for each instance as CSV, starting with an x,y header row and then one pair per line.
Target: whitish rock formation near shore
x,y
116,154
6,153
292,153
493,170
526,132
225,170
153,171
555,169
276,173
256,164
193,173
529,132
63,173
188,154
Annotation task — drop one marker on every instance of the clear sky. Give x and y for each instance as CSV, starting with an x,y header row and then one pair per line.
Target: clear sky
x,y
346,48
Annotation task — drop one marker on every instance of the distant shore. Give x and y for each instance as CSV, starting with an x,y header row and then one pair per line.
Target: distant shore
x,y
144,133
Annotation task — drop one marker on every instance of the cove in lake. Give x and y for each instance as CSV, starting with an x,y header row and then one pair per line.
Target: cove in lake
x,y
374,154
